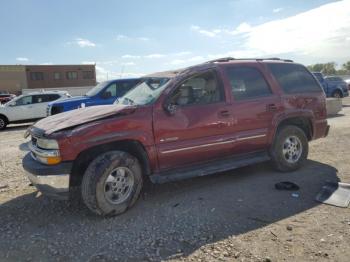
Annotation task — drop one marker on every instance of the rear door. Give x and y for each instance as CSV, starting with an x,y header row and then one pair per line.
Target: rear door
x,y
254,105
198,130
40,103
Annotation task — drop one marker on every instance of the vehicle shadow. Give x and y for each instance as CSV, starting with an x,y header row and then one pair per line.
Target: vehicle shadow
x,y
169,220
17,127
335,115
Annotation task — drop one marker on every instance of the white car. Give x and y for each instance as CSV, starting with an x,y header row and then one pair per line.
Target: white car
x,y
28,108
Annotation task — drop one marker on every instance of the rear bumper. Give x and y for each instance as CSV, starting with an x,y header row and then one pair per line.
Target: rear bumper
x,y
52,180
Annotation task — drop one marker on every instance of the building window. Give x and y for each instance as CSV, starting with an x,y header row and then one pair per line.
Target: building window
x,y
72,75
36,75
88,75
56,75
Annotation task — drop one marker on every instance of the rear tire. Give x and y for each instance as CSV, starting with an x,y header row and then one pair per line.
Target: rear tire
x,y
3,123
112,183
290,149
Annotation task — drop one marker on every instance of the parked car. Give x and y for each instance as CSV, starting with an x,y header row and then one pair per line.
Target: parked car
x,y
333,86
5,97
348,83
27,108
205,119
104,93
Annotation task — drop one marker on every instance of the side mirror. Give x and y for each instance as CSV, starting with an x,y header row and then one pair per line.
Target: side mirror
x,y
171,109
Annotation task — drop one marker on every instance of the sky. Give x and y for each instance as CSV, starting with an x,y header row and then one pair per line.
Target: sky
x,y
132,38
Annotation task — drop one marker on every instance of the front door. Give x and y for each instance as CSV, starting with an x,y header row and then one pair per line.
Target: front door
x,y
21,109
197,131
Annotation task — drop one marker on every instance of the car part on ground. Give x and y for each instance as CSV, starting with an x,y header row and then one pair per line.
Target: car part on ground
x,y
336,194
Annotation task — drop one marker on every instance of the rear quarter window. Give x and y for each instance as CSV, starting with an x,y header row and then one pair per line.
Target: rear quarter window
x,y
294,78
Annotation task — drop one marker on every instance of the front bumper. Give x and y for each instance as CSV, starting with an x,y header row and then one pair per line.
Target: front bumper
x,y
52,180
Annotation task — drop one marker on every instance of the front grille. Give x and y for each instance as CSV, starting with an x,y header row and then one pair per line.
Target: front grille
x,y
56,110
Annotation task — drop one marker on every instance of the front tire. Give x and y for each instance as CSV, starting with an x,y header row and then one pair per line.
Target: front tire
x,y
337,94
290,149
3,123
112,183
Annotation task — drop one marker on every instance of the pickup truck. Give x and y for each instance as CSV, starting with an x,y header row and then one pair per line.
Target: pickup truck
x,y
104,93
212,117
333,86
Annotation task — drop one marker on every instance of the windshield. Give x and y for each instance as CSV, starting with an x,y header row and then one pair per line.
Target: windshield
x,y
94,91
145,93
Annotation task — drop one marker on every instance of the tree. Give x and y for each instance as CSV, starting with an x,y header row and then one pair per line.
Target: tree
x,y
329,68
346,66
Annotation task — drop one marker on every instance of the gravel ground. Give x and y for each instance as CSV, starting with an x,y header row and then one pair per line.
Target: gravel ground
x,y
233,216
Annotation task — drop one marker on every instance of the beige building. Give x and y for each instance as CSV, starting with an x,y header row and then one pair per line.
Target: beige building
x,y
14,78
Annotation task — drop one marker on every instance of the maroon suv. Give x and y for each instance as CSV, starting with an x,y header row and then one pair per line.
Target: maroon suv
x,y
205,119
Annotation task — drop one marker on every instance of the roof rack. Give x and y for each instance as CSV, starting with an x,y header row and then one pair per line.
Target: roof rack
x,y
227,59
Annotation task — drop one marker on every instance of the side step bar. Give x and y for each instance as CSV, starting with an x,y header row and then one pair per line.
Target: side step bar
x,y
209,168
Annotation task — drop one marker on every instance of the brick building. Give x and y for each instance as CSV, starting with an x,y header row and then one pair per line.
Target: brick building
x,y
14,78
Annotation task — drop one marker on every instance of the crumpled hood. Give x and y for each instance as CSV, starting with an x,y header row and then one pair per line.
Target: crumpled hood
x,y
79,116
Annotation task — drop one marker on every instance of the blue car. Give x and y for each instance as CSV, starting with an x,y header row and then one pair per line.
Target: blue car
x,y
104,93
333,86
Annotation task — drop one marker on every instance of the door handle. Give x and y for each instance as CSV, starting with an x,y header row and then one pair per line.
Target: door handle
x,y
271,107
224,113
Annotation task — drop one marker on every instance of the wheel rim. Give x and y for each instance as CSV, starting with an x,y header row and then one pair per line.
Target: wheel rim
x,y
292,149
2,123
337,95
118,185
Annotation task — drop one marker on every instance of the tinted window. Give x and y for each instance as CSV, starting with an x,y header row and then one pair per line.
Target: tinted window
x,y
26,100
334,79
88,75
44,98
37,76
294,78
71,75
112,89
247,82
199,89
57,76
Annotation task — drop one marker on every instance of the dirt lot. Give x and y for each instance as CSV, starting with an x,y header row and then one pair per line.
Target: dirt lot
x,y
235,216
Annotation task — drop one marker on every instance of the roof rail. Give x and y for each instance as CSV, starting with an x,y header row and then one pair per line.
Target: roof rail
x,y
227,59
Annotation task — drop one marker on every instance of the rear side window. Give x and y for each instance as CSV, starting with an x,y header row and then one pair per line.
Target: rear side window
x,y
247,82
45,98
294,78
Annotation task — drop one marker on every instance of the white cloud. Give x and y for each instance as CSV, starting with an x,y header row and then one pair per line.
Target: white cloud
x,y
121,37
241,28
154,56
143,38
88,62
277,10
191,60
22,59
208,33
305,33
47,63
128,64
320,34
84,42
125,37
131,56
182,53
